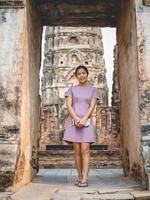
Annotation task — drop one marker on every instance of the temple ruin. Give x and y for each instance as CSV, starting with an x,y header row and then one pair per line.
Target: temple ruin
x,y
21,25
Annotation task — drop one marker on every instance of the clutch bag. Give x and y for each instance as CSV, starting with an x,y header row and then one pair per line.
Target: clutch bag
x,y
87,123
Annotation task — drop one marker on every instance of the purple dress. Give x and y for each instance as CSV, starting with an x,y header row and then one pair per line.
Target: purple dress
x,y
81,96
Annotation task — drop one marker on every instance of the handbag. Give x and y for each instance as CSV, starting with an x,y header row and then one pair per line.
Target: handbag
x,y
87,123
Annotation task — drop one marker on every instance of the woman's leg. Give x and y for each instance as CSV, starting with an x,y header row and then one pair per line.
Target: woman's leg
x,y
85,151
78,158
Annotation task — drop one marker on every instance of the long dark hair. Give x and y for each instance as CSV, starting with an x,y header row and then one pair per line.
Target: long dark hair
x,y
81,67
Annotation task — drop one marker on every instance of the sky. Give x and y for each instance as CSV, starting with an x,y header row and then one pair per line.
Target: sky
x,y
109,40
42,55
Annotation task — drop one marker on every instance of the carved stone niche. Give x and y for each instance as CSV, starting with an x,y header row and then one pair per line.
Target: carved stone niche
x,y
146,2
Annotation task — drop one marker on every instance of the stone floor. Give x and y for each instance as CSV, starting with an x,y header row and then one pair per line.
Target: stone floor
x,y
104,184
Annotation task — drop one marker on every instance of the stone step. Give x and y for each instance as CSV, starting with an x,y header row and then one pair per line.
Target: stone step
x,y
65,159
70,147
5,195
86,194
104,184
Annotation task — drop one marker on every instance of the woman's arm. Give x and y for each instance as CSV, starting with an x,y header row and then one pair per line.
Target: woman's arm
x,y
89,112
91,108
70,109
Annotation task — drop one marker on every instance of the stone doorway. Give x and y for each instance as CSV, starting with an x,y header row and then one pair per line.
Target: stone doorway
x,y
19,79
65,48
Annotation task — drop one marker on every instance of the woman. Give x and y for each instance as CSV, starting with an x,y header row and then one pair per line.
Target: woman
x,y
81,100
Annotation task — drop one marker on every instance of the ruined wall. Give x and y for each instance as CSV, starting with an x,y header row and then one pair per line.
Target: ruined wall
x,y
143,35
27,162
115,100
107,126
12,47
16,135
129,91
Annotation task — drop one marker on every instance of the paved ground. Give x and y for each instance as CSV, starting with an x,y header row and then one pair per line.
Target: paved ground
x,y
104,184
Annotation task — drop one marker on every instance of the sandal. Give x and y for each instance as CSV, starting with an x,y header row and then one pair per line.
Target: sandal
x,y
77,181
83,184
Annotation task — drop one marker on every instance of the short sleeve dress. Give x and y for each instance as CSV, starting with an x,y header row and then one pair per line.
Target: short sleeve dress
x,y
81,97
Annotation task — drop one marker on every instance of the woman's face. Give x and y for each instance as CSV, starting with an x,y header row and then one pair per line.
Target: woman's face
x,y
82,76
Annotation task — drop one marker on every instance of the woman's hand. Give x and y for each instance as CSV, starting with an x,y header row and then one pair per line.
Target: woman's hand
x,y
78,124
76,120
81,122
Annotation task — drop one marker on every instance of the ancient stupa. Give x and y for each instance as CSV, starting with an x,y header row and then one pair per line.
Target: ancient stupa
x,y
65,49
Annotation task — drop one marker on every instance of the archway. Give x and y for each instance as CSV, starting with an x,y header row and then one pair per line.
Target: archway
x,y
24,105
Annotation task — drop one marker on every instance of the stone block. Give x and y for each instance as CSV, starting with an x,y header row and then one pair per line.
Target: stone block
x,y
117,196
6,179
90,197
5,196
8,155
12,3
67,196
146,2
141,195
148,181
